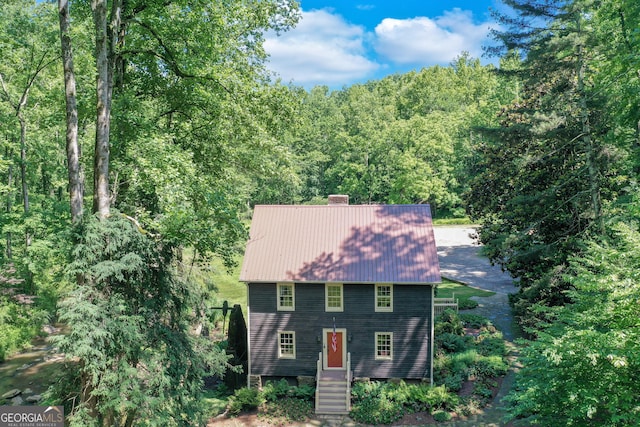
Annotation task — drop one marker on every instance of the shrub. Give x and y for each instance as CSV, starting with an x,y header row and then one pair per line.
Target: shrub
x,y
467,304
453,381
451,343
244,399
474,320
376,410
450,322
491,345
489,367
273,390
388,402
287,410
441,416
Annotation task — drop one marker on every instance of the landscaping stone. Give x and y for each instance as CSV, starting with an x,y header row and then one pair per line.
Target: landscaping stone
x,y
11,393
17,401
34,399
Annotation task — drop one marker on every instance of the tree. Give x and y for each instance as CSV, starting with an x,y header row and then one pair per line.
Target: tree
x,y
581,369
76,177
27,47
546,172
175,87
137,361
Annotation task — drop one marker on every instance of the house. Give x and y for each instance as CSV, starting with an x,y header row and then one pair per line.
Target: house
x,y
337,292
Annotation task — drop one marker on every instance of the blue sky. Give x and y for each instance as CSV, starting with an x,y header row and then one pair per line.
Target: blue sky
x,y
339,43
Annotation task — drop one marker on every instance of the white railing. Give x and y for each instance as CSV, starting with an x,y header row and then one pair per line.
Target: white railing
x,y
318,374
348,382
441,304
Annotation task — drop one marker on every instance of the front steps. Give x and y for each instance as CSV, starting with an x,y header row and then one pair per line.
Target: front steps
x,y
333,396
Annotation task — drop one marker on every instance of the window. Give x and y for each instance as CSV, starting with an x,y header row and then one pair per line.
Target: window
x,y
384,297
287,345
286,297
333,297
384,345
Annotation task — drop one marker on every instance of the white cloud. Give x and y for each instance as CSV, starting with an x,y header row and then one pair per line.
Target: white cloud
x,y
322,49
426,41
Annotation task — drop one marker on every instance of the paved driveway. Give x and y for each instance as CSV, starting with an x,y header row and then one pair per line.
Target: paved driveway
x,y
460,260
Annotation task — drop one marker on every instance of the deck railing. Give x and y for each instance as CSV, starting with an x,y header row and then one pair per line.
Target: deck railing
x,y
441,304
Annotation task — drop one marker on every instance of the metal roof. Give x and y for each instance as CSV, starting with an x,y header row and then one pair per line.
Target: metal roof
x,y
341,243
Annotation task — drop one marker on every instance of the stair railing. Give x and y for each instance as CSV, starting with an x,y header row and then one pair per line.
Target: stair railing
x,y
318,374
348,397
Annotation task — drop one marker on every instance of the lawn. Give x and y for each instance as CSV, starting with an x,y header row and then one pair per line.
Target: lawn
x,y
449,289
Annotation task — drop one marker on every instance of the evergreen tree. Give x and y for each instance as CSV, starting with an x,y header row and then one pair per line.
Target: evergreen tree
x,y
544,174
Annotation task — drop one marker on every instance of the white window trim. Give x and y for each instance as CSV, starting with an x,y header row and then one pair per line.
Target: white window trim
x,y
286,356
293,297
326,297
383,309
390,356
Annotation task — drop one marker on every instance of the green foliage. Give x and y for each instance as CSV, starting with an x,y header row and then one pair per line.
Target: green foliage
x,y
459,359
449,322
18,325
129,320
542,180
244,399
450,343
474,320
582,369
286,411
385,402
441,416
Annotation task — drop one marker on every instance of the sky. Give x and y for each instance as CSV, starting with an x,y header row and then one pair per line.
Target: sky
x,y
339,43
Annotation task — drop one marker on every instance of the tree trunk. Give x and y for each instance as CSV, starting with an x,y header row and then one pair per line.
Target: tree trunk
x,y
76,177
9,250
594,186
101,196
23,173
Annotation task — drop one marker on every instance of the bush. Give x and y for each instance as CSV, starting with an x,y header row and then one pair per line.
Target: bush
x,y
474,320
384,403
378,410
244,399
449,322
441,416
491,346
272,391
490,367
467,304
286,411
451,343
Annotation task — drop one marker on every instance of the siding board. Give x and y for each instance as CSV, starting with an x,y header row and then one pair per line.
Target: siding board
x,y
410,323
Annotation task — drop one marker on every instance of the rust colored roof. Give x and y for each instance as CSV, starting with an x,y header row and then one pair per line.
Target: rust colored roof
x,y
343,244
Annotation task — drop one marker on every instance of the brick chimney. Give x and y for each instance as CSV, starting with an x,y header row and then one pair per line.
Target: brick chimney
x,y
338,200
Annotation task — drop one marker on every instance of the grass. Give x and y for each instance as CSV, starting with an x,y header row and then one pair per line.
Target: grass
x,y
453,221
449,289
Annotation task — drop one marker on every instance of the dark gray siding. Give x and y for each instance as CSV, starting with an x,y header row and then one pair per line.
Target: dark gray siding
x,y
410,323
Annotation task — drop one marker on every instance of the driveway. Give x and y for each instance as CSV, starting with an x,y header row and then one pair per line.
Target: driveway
x,y
460,260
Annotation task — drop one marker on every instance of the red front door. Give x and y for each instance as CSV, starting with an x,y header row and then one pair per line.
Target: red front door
x,y
334,349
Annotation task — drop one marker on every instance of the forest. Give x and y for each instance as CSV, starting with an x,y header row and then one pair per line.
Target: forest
x,y
137,135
